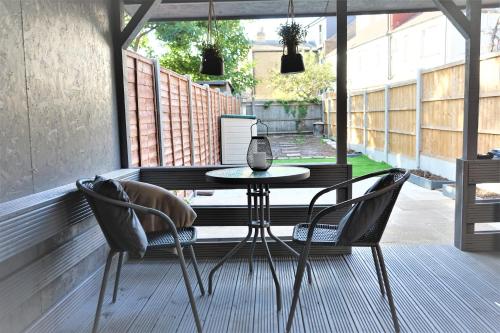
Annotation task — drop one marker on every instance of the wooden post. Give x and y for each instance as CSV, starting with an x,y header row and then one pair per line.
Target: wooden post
x,y
472,64
387,106
120,67
341,123
365,121
349,113
159,111
191,121
418,120
210,130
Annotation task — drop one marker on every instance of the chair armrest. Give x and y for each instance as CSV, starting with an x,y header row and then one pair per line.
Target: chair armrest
x,y
146,210
341,185
347,203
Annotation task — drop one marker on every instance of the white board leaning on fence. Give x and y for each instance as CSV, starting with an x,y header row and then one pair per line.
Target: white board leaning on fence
x,y
235,138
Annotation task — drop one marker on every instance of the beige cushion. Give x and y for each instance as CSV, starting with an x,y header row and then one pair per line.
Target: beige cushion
x,y
156,197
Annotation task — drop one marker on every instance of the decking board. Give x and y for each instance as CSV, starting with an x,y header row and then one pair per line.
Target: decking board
x,y
436,289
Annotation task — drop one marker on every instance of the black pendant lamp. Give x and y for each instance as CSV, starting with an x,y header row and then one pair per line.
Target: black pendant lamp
x,y
212,62
292,34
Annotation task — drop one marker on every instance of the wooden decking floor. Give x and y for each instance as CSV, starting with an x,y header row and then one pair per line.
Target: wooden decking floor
x,y
436,289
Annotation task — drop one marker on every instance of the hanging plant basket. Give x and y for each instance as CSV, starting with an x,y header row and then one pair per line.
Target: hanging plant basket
x,y
212,62
292,35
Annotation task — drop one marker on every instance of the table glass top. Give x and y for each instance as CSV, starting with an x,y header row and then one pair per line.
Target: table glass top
x,y
273,174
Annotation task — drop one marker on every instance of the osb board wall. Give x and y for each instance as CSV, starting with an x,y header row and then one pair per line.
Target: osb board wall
x,y
441,113
186,139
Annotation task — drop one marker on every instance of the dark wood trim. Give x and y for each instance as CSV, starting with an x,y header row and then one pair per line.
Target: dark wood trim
x,y
193,177
217,249
341,82
455,15
120,66
137,22
281,215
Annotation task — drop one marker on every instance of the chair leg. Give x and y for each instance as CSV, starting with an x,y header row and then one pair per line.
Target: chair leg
x,y
188,288
388,289
377,268
299,275
196,270
252,249
111,254
117,277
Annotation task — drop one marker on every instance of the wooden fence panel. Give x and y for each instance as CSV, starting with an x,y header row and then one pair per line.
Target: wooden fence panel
x,y
142,112
441,107
356,120
375,119
402,120
176,127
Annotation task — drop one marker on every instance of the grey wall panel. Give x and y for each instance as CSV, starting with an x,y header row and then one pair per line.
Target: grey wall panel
x,y
15,162
69,73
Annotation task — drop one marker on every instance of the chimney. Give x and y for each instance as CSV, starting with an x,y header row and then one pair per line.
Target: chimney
x,y
261,35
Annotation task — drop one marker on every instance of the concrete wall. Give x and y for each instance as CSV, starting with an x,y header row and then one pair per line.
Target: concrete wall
x,y
279,121
57,105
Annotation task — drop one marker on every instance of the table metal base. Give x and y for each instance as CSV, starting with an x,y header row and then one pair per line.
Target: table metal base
x,y
259,219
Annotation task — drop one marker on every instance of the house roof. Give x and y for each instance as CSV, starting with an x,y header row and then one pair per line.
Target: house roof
x,y
185,10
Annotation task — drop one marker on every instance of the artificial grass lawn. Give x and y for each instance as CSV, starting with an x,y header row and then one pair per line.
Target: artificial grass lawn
x,y
361,165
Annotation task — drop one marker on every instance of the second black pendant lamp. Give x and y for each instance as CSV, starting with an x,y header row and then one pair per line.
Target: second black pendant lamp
x,y
292,34
212,62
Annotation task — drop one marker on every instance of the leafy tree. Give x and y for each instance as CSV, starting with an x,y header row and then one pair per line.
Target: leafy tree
x,y
183,43
303,86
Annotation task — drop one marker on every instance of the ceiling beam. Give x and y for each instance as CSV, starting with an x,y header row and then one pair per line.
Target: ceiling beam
x,y
455,15
137,22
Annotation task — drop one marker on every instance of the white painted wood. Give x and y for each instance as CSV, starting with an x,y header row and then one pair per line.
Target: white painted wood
x,y
235,138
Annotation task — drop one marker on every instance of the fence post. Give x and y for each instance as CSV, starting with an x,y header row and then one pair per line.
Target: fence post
x,y
418,113
349,118
210,138
159,111
191,122
365,120
387,104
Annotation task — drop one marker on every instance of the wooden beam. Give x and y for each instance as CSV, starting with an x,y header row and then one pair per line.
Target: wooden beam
x,y
137,22
455,15
120,84
471,91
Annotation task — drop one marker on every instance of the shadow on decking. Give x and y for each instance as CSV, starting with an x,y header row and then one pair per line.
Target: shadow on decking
x,y
436,289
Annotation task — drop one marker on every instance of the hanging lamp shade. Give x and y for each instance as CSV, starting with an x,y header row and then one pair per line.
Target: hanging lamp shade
x,y
259,153
212,62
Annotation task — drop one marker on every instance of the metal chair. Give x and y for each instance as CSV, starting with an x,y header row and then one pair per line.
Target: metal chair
x,y
175,238
383,198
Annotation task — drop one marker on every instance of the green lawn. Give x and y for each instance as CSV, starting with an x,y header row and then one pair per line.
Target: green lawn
x,y
361,165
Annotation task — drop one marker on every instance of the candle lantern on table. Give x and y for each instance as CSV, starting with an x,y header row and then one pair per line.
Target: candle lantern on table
x,y
259,154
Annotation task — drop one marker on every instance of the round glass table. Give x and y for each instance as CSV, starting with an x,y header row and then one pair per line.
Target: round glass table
x,y
259,211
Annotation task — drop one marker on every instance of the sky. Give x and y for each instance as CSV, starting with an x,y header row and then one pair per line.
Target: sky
x,y
270,26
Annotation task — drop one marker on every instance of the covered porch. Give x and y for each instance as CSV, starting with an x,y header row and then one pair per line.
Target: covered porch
x,y
53,252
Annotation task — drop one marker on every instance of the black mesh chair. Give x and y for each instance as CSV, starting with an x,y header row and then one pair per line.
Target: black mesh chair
x,y
174,238
363,225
